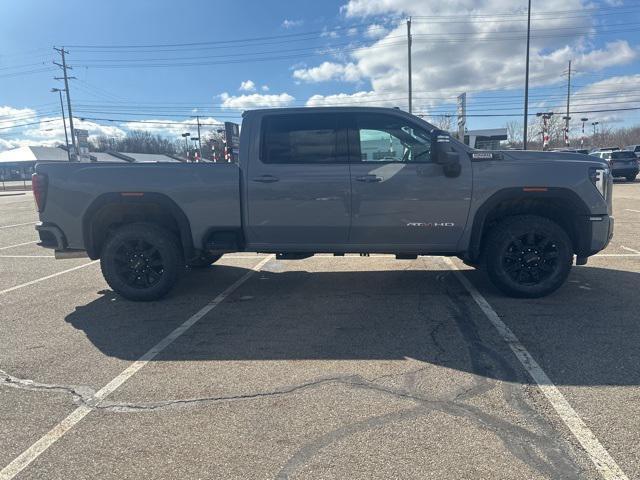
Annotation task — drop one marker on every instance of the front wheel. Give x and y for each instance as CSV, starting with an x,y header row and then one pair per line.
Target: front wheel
x,y
528,256
141,261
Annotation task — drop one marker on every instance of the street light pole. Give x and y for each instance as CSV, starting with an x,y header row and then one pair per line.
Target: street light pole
x,y
526,79
64,122
409,61
186,143
583,120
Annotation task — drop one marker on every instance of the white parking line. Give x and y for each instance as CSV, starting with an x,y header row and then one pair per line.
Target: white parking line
x,y
42,279
631,210
18,225
631,250
18,245
27,256
603,462
617,255
35,450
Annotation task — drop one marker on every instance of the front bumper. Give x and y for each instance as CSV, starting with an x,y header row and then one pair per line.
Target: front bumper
x,y
601,232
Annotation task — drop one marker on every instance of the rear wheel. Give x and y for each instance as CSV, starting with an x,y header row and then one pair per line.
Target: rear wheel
x,y
141,261
528,256
204,260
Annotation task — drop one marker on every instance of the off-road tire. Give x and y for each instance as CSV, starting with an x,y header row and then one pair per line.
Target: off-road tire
x,y
528,256
141,261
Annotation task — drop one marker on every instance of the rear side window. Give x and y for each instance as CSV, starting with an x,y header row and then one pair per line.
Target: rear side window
x,y
303,138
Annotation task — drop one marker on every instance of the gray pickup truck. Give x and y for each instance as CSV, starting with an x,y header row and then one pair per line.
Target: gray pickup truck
x,y
332,180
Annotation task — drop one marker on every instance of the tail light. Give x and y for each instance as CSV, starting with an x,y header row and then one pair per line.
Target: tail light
x,y
39,187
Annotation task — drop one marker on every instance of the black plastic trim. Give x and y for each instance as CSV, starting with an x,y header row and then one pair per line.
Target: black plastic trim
x,y
147,198
581,221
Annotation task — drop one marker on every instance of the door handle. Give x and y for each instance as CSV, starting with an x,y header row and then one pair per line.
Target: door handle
x,y
266,179
369,179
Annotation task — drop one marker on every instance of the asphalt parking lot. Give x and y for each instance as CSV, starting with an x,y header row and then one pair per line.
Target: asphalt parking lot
x,y
327,368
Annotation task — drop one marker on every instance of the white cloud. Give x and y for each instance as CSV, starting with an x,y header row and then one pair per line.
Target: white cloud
x,y
328,71
375,31
171,128
286,23
255,100
609,94
466,55
247,86
264,88
49,130
329,33
363,98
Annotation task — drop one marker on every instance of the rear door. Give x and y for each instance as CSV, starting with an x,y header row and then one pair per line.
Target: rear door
x,y
299,187
401,199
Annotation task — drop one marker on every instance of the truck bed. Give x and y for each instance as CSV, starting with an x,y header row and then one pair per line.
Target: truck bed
x,y
207,193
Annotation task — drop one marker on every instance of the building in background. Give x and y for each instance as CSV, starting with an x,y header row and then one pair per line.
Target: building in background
x,y
19,163
487,139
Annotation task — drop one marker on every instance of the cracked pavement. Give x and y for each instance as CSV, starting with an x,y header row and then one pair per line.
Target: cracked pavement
x,y
325,368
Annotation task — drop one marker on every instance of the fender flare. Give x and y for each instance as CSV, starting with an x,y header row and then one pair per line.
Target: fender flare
x,y
146,198
517,193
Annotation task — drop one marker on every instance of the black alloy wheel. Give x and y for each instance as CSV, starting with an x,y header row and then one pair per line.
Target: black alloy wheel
x,y
528,256
141,261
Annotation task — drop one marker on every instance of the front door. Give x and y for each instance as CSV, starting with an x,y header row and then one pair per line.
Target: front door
x,y
401,199
299,191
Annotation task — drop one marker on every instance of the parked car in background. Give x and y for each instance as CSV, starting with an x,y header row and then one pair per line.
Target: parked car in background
x,y
634,148
605,149
623,163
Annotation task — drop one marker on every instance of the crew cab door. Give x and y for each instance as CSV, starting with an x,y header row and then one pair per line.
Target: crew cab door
x,y
299,189
401,199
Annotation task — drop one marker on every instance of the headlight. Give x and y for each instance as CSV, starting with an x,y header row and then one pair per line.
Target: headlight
x,y
599,178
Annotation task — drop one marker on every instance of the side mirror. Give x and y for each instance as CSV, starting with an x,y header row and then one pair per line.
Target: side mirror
x,y
445,154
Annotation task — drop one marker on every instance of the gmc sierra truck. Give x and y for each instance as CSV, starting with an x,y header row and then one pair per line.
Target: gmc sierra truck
x,y
332,180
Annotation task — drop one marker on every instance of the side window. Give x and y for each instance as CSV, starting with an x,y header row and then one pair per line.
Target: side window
x,y
303,138
385,138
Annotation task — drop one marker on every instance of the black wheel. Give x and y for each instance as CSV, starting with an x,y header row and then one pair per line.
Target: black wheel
x,y
141,261
630,178
528,256
204,260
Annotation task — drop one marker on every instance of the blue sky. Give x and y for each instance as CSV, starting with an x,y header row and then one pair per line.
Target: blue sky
x,y
129,56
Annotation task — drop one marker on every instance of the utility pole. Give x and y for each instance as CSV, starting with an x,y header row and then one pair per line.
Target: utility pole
x,y
526,79
567,117
409,58
64,122
66,78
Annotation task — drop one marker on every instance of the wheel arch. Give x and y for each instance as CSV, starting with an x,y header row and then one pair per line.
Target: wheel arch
x,y
118,208
558,204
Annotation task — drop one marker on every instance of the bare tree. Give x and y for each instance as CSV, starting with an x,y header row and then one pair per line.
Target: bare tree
x,y
442,122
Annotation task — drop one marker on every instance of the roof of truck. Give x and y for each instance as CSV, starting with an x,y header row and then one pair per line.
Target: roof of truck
x,y
324,109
